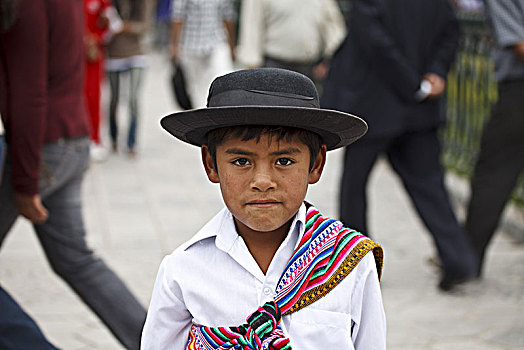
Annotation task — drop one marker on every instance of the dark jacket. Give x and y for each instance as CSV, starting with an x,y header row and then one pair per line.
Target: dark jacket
x,y
390,45
41,83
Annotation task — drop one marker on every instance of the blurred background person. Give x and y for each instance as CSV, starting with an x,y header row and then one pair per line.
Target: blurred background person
x,y
203,43
101,20
299,35
126,55
501,157
47,129
162,24
17,328
391,70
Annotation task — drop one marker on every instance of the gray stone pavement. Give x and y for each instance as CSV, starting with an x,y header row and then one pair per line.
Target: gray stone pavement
x,y
138,210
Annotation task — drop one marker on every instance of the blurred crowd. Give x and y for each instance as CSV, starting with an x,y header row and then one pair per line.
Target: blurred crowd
x,y
386,61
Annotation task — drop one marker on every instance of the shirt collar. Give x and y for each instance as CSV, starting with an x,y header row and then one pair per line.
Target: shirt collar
x,y
222,226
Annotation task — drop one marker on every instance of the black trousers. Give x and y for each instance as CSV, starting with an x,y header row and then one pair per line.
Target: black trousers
x,y
415,158
499,164
300,67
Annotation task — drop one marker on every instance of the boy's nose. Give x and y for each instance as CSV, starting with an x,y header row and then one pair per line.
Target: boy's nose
x,y
262,181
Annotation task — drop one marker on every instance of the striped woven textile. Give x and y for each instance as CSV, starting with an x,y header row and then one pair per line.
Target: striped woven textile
x,y
326,254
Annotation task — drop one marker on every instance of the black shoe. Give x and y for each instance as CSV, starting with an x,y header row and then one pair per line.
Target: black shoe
x,y
450,283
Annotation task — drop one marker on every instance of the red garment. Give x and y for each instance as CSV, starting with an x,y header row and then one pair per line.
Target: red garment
x,y
93,80
41,81
95,27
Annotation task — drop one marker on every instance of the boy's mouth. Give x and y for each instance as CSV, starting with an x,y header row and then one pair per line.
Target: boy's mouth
x,y
263,203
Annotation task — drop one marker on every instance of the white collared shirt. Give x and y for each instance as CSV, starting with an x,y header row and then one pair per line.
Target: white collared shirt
x,y
203,26
292,30
213,280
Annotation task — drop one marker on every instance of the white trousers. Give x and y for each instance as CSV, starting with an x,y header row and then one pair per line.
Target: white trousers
x,y
201,70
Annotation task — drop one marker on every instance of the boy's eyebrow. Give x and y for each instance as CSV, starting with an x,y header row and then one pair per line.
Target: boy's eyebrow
x,y
289,150
238,151
284,151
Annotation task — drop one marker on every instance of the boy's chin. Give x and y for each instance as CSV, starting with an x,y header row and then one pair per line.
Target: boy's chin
x,y
264,226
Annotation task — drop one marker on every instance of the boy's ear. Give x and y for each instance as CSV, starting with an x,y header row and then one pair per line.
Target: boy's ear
x,y
209,165
318,166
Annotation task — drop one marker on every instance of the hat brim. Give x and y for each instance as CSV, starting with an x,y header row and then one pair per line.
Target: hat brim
x,y
337,129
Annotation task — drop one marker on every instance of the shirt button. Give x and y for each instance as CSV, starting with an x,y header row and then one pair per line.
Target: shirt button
x,y
267,291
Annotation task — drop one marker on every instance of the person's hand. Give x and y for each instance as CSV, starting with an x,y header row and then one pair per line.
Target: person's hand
x,y
233,53
320,71
31,207
174,52
438,85
91,48
518,49
126,27
130,27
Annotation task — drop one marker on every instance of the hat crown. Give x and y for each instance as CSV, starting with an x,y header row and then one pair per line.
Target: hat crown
x,y
263,86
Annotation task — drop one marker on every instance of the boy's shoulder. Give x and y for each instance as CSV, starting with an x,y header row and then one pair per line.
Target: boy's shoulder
x,y
209,230
193,253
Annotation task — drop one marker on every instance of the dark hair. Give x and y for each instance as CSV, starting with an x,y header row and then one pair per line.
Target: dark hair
x,y
136,7
249,132
8,12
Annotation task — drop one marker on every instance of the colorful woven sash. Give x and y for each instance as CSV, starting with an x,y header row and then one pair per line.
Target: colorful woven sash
x,y
326,254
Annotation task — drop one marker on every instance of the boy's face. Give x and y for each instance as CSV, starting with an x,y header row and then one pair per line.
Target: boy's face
x,y
263,183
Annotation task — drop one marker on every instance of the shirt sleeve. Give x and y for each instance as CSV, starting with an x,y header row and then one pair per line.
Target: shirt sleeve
x,y
99,32
168,321
367,17
368,317
446,44
508,21
26,62
227,11
179,11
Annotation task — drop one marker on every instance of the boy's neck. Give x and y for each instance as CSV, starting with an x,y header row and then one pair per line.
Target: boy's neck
x,y
263,245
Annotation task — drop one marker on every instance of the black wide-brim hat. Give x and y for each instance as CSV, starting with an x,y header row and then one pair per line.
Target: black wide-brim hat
x,y
268,97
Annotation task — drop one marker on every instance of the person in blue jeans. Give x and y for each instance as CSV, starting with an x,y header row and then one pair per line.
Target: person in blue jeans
x,y
17,329
126,56
47,134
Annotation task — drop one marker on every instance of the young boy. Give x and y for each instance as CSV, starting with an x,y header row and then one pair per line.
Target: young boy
x,y
267,272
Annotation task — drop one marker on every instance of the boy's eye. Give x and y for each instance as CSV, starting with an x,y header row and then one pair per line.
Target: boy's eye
x,y
284,161
241,161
